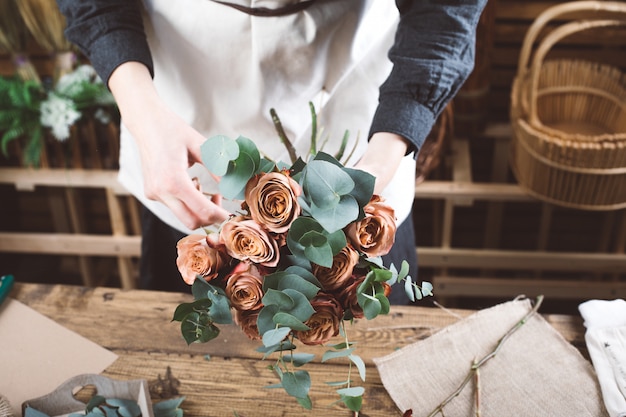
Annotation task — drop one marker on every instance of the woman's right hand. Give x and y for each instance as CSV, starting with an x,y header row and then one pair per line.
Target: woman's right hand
x,y
168,147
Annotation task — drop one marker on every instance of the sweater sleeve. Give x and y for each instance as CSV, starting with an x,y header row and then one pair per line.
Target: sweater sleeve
x,y
432,56
108,33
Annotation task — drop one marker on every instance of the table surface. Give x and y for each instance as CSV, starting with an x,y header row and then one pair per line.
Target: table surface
x,y
137,326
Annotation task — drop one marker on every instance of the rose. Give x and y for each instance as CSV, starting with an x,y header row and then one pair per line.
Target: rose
x,y
198,255
374,235
349,299
247,321
244,287
272,199
245,239
340,272
324,323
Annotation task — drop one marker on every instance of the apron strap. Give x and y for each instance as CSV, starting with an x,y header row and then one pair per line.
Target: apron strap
x,y
267,12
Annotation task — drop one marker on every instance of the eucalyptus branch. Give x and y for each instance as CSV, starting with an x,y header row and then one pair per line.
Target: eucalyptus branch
x,y
283,136
476,365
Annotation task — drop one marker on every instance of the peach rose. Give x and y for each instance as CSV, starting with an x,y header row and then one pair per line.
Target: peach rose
x,y
375,234
246,240
324,323
340,272
198,255
272,199
247,321
244,287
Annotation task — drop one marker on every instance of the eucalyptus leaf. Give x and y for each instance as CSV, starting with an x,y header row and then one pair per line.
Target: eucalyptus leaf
x,y
333,354
324,183
297,384
288,320
352,397
321,255
264,321
184,309
299,359
220,310
360,365
275,336
427,288
127,408
371,306
337,216
217,153
363,185
233,183
248,147
278,298
302,308
408,288
32,412
198,328
305,402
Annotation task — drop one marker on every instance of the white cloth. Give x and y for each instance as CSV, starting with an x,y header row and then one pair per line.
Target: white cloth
x,y
606,341
222,70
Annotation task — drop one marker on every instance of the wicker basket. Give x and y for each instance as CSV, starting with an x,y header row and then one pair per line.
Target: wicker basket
x,y
569,117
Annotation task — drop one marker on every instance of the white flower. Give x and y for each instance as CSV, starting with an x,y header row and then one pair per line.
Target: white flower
x,y
72,80
58,113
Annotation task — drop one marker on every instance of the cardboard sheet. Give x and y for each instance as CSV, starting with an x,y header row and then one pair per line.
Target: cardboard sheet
x,y
37,354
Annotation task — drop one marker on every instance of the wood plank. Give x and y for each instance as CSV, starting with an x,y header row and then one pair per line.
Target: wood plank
x,y
70,244
27,178
506,287
521,260
478,191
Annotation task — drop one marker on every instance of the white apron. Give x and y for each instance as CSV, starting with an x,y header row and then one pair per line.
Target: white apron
x,y
222,70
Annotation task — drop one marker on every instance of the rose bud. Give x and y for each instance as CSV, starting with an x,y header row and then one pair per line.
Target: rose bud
x,y
272,199
247,321
340,272
246,240
374,235
244,287
324,323
198,255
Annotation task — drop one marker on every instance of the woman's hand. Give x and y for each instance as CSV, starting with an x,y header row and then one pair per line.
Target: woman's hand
x,y
382,157
167,146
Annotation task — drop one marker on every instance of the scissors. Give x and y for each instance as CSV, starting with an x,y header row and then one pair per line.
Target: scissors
x,y
6,283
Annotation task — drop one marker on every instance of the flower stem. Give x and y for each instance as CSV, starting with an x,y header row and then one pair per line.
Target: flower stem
x,y
283,136
476,365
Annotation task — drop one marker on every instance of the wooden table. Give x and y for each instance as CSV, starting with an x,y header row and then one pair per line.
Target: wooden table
x,y
137,326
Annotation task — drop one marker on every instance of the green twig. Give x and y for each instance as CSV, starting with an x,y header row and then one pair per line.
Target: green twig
x,y
313,149
283,136
476,365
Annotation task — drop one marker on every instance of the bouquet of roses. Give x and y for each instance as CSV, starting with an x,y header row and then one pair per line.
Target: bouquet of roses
x,y
301,258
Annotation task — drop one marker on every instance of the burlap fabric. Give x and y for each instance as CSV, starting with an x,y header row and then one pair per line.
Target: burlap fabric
x,y
536,372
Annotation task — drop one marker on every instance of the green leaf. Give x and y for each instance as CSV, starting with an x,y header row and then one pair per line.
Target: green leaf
x,y
324,183
184,309
371,306
305,402
360,365
363,185
275,336
299,359
427,288
264,321
217,152
352,397
283,280
302,308
408,288
279,299
220,309
286,319
233,183
297,384
384,302
337,216
337,241
126,408
32,412
333,354
198,328
248,147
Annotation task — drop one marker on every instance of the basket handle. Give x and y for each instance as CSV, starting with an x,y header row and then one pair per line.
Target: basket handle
x,y
545,46
555,11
